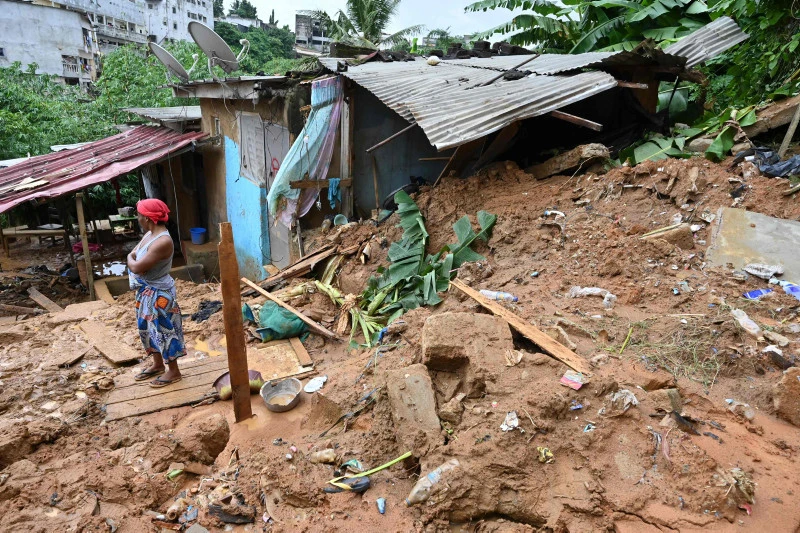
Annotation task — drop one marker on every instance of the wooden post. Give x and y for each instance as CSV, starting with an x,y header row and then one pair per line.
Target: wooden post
x,y
375,182
3,242
234,328
87,256
789,133
346,154
390,138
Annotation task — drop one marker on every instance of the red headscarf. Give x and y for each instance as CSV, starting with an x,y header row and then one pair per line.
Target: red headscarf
x,y
154,209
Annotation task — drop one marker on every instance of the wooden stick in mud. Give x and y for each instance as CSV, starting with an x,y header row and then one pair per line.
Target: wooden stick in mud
x,y
22,310
234,328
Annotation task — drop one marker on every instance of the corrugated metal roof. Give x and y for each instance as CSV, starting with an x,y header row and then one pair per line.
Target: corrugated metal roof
x,y
167,114
467,115
544,64
707,42
421,93
52,175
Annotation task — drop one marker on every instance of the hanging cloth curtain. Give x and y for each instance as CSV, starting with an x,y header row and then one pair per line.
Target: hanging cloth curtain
x,y
310,156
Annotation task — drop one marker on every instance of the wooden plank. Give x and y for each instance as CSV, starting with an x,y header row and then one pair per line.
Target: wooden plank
x,y
87,255
234,327
317,184
632,85
103,339
203,376
549,345
499,144
101,291
302,353
68,355
321,330
44,301
301,267
207,364
460,158
578,121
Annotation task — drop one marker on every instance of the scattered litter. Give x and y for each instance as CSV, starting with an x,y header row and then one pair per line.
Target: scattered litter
x,y
353,465
620,401
747,324
172,474
684,424
776,338
511,422
696,227
589,427
422,490
381,502
190,515
772,349
713,436
499,296
315,384
573,380
548,212
206,309
789,288
763,271
535,274
756,294
579,292
351,484
574,405
741,409
327,455
545,455
707,216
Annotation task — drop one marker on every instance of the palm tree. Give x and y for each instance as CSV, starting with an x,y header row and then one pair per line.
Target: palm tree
x,y
364,22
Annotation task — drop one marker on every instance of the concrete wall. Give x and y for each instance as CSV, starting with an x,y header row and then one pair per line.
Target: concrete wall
x,y
178,14
395,161
231,196
38,34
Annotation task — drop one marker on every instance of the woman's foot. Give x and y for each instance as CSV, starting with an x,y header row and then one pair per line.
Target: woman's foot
x,y
150,372
167,379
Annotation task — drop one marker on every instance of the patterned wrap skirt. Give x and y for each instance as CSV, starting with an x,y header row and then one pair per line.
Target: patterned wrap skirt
x,y
159,321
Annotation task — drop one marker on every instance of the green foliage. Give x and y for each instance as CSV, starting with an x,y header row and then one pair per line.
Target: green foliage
x,y
272,20
363,23
243,8
219,9
655,149
413,278
265,45
37,112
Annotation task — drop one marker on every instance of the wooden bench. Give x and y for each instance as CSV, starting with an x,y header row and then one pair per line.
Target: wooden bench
x,y
21,231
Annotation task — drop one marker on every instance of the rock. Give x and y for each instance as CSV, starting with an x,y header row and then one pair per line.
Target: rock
x,y
569,160
776,338
786,396
637,375
666,399
50,406
197,528
472,345
740,147
452,410
14,444
201,437
413,405
599,359
680,236
701,144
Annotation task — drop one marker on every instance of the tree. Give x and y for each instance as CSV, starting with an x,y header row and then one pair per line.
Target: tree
x,y
272,21
244,9
219,9
443,39
364,22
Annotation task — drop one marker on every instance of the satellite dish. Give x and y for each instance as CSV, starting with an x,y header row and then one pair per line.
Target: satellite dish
x,y
173,65
217,50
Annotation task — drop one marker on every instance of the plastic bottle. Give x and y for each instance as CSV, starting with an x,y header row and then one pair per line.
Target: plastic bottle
x,y
499,296
746,323
323,456
422,490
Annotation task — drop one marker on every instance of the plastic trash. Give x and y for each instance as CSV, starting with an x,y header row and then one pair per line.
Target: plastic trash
x,y
381,503
741,408
323,456
545,455
747,324
315,384
790,288
763,271
511,422
756,294
573,380
499,296
579,292
422,490
620,401
353,484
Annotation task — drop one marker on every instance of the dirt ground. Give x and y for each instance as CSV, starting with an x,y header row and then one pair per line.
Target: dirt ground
x,y
680,459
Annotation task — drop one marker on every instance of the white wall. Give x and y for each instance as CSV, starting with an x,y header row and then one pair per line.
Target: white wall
x,y
177,22
37,34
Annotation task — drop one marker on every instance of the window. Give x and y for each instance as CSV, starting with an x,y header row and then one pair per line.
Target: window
x,y
217,127
2,52
174,25
149,6
204,3
174,10
205,19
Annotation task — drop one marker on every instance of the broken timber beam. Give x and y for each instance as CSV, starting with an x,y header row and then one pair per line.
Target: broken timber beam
x,y
316,328
22,310
389,139
632,85
578,121
44,301
548,344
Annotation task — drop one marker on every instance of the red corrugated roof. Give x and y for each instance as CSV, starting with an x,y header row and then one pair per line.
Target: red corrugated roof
x,y
72,170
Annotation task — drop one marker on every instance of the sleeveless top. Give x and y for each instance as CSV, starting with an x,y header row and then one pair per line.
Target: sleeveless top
x,y
158,276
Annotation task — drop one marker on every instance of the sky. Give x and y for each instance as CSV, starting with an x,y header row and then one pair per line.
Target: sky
x,y
431,13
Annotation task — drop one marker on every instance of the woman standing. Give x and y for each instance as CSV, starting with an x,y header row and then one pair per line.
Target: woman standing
x,y
157,313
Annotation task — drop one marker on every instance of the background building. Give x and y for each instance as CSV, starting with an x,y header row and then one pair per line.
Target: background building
x,y
58,41
309,33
